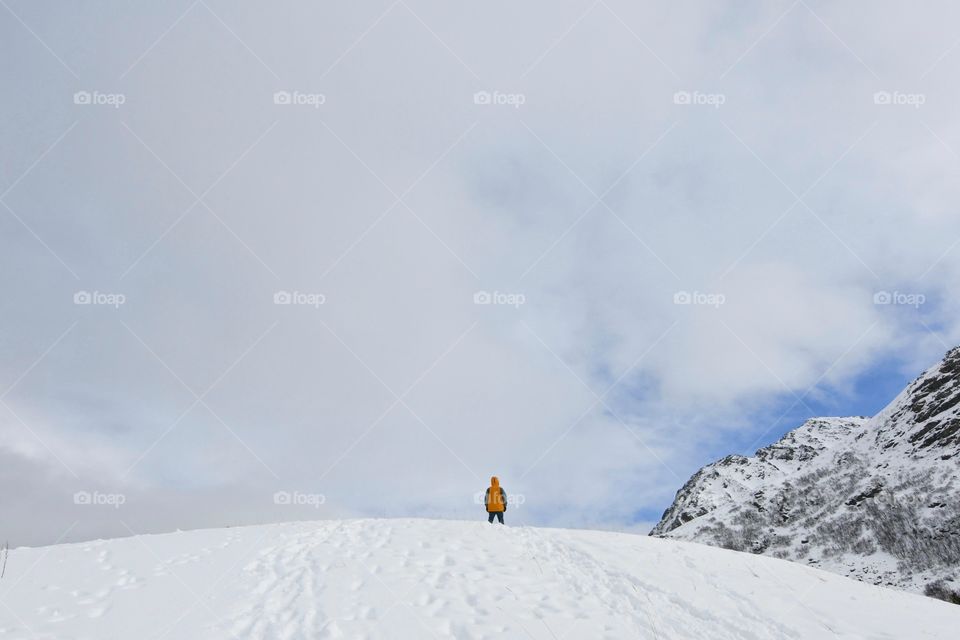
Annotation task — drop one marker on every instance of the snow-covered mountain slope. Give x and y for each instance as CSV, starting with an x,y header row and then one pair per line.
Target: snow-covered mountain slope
x,y
437,579
877,499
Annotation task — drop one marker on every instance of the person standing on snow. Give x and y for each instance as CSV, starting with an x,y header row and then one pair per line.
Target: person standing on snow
x,y
495,500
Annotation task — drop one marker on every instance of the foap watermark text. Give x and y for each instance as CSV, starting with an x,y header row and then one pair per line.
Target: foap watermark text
x,y
99,499
499,98
699,298
898,98
300,298
899,298
298,98
499,298
513,499
100,298
299,499
97,98
715,100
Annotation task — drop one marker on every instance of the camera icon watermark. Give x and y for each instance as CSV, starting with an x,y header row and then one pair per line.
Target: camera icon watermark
x,y
915,300
499,98
299,499
514,300
898,98
699,298
715,100
299,298
297,98
115,300
98,499
96,98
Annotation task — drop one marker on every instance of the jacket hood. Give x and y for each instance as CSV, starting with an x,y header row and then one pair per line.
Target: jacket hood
x,y
494,481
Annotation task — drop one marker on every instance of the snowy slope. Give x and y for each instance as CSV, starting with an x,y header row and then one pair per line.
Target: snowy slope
x,y
876,499
441,579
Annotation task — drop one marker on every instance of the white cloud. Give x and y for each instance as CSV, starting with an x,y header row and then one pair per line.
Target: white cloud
x,y
495,198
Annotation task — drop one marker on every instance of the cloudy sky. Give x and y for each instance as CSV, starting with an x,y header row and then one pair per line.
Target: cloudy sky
x,y
268,261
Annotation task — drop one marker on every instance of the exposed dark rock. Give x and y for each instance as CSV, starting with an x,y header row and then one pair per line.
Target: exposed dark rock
x,y
836,491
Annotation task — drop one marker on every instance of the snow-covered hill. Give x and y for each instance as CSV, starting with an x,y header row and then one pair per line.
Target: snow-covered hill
x,y
877,499
437,579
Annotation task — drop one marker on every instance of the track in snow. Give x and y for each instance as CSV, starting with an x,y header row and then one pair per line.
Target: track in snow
x,y
443,579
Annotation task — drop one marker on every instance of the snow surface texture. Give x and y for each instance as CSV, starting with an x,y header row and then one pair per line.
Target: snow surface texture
x,y
438,579
876,499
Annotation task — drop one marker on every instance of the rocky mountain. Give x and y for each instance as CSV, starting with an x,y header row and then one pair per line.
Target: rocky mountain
x,y
877,499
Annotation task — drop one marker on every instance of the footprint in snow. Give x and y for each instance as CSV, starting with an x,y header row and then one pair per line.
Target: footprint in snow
x,y
97,612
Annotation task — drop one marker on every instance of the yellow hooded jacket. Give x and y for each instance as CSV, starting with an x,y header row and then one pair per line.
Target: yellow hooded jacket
x,y
496,498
